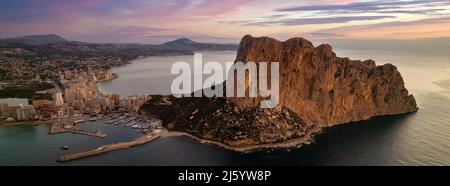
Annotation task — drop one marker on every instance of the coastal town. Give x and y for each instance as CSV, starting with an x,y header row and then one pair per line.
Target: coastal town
x,y
57,83
76,99
54,83
70,97
75,95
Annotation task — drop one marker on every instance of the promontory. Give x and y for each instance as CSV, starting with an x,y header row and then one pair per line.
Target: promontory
x,y
317,90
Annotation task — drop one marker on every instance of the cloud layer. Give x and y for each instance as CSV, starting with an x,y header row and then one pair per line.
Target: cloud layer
x,y
155,21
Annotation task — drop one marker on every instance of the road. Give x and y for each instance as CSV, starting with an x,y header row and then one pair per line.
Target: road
x,y
57,87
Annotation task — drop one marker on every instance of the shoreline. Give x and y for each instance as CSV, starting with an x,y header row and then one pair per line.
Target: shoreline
x,y
23,123
292,143
147,138
114,76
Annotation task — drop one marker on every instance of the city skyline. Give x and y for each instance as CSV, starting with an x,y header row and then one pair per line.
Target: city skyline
x,y
226,21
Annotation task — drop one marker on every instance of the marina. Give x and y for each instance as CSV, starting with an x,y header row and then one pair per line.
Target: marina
x,y
140,123
58,128
150,126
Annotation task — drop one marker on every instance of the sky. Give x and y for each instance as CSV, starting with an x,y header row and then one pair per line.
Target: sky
x,y
226,21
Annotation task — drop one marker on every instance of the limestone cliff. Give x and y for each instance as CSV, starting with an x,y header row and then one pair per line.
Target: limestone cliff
x,y
324,89
317,89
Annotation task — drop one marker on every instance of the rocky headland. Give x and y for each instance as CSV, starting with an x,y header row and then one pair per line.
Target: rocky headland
x,y
317,89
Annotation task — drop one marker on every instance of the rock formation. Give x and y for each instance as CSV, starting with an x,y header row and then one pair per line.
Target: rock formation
x,y
217,120
317,89
324,89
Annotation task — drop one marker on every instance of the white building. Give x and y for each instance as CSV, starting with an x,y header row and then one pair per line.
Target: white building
x,y
58,99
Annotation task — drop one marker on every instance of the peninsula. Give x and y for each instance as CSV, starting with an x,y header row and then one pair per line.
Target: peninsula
x,y
317,90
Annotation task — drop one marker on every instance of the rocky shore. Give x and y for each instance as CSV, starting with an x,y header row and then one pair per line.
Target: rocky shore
x,y
217,121
292,143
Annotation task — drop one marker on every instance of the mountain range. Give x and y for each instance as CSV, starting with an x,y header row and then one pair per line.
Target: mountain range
x,y
35,39
182,44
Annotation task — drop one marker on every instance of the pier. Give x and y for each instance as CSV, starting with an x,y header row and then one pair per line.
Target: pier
x,y
111,147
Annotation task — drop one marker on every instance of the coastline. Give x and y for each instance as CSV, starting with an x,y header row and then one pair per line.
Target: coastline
x,y
32,123
147,138
114,76
292,143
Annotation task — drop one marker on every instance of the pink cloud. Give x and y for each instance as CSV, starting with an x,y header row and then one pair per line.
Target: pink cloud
x,y
420,29
133,20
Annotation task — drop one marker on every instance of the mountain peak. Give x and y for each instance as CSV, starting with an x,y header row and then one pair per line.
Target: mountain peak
x,y
326,80
185,44
183,41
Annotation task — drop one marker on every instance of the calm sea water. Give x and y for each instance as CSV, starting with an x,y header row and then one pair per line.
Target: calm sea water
x,y
152,75
422,138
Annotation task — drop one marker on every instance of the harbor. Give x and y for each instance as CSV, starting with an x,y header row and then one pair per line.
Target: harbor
x,y
114,147
139,123
58,128
151,128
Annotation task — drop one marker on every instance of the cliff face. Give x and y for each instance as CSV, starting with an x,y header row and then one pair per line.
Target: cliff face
x,y
324,89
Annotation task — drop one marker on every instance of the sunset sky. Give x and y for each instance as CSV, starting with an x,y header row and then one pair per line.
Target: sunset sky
x,y
156,21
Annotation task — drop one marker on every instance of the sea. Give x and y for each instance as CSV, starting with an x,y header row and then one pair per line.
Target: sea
x,y
421,138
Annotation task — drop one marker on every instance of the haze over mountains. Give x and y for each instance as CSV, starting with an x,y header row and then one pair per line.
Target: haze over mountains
x,y
187,44
52,44
35,39
182,44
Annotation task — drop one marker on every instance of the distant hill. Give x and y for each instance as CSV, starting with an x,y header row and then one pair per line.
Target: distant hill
x,y
47,45
182,44
89,50
185,44
35,39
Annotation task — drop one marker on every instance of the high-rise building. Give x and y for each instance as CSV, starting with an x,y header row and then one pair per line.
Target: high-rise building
x,y
61,78
81,94
25,112
92,77
4,110
115,98
68,74
89,70
69,94
58,99
81,80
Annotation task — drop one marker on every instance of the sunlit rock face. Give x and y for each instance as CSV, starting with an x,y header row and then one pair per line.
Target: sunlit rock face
x,y
324,89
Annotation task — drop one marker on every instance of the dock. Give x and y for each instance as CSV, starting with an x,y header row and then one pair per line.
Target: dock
x,y
140,123
111,147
